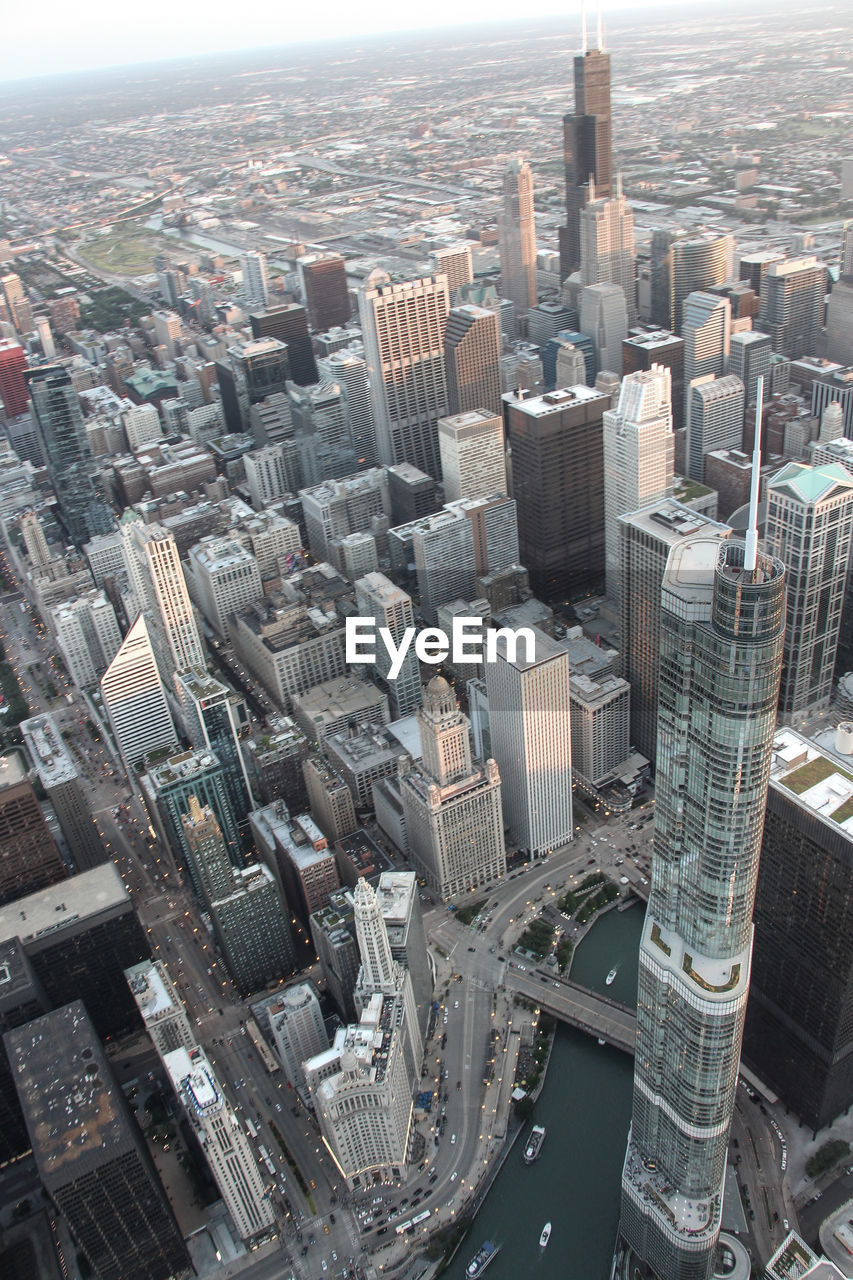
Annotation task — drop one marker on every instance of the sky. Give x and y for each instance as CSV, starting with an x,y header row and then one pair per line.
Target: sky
x,y
79,35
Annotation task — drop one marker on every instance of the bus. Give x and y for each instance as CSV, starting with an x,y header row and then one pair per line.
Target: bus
x,y
251,1128
263,1050
263,1154
270,1166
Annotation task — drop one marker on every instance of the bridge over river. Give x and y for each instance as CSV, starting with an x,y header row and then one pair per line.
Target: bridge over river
x,y
587,1010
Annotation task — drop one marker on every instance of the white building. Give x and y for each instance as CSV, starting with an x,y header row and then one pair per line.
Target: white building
x,y
159,590
349,370
530,726
601,719
473,462
338,507
443,550
141,425
517,237
455,262
266,474
604,319
161,1007
714,419
607,249
135,700
377,597
88,636
271,538
638,456
358,555
707,331
296,1022
255,282
223,578
494,525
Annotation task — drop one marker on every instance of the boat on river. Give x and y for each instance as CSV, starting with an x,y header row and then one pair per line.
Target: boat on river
x,y
534,1144
608,981
545,1236
487,1253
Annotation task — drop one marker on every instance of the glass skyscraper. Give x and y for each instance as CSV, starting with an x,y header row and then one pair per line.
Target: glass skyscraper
x,y
721,637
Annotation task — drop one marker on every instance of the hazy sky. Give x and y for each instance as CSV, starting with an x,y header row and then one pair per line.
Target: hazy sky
x,y
76,35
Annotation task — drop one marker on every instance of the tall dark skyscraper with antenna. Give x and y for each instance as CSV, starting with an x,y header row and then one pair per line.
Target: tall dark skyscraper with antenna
x,y
586,145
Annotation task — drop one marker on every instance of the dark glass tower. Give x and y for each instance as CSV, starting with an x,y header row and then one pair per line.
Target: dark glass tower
x,y
586,149
69,458
721,635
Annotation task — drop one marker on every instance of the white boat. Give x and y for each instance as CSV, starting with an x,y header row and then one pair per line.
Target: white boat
x,y
611,975
545,1236
534,1144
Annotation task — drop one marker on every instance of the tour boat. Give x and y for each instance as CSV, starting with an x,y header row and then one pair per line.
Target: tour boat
x,y
545,1236
611,975
534,1144
487,1252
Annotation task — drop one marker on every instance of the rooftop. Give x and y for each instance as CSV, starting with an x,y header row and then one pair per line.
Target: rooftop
x,y
79,898
819,782
48,751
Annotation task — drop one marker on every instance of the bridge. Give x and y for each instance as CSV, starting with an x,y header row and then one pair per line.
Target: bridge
x,y
587,1010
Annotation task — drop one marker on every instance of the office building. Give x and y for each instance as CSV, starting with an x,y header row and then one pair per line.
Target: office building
x,y
361,757
289,324
268,475
607,254
329,707
300,855
473,461
274,540
715,407
167,331
13,385
22,998
600,717
546,320
517,237
359,555
88,636
254,370
19,310
274,759
558,484
399,903
223,579
721,635
349,371
323,282
638,457
707,335
251,925
220,1135
494,524
135,700
604,319
403,328
332,933
159,591
682,265
90,1155
793,294
330,800
68,456
299,1033
809,527
647,346
564,363
412,493
445,563
338,507
750,354
377,597
291,646
530,724
210,867
63,786
381,974
472,353
452,806
255,282
647,536
167,789
160,1005
29,858
586,147
455,262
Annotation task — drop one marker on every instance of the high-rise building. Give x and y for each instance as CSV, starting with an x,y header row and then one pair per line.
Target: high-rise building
x,y
349,371
88,636
586,147
90,1154
403,327
750,354
472,353
607,248
473,461
334,941
604,318
377,597
809,527
267,474
682,265
299,1033
66,449
29,858
529,719
322,433
135,700
13,385
647,538
330,800
223,579
452,806
210,715
162,1008
401,911
255,283
255,369
707,335
19,310
558,483
714,419
646,346
721,635
443,552
455,263
494,520
159,590
166,789
381,974
793,294
638,457
60,777
546,320
517,237
323,280
289,324
799,1022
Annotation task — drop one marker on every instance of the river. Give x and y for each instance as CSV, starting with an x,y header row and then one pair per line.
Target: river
x,y
585,1106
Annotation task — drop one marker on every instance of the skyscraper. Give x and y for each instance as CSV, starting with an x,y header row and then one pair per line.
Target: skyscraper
x,y
558,482
472,351
494,521
638,457
211,721
390,606
607,248
350,372
532,741
604,318
29,858
714,419
452,806
646,346
721,635
517,237
792,302
749,359
156,578
323,277
59,776
90,1154
88,636
707,335
255,283
403,328
13,386
443,552
684,264
455,263
135,700
289,324
809,527
473,462
166,789
255,369
66,449
296,1022
586,147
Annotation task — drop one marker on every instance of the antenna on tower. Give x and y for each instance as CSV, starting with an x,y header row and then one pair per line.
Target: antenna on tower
x,y
583,26
591,188
618,184
750,561
600,28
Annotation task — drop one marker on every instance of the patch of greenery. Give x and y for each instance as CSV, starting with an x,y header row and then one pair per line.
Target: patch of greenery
x,y
466,914
112,308
827,1156
537,939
